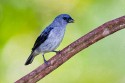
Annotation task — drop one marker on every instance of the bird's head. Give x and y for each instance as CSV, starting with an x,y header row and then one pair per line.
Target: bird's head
x,y
64,19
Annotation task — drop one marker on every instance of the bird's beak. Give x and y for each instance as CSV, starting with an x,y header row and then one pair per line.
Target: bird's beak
x,y
71,21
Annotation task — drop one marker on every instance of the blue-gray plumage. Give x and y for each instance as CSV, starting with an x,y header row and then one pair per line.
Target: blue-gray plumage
x,y
50,38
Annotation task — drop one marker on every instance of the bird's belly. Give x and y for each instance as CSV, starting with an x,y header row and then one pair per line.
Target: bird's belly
x,y
53,41
51,44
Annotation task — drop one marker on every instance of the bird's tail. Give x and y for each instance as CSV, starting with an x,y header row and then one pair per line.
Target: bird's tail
x,y
30,59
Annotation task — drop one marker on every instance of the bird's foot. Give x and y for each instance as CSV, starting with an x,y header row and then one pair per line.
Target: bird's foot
x,y
57,52
46,62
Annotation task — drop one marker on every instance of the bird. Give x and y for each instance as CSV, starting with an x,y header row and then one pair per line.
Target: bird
x,y
50,38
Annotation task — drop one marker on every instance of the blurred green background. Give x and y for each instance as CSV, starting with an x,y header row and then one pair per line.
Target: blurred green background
x,y
21,21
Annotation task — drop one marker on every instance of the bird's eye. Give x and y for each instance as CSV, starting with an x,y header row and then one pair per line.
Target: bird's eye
x,y
65,18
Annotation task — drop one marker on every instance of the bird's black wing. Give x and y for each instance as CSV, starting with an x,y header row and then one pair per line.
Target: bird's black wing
x,y
42,38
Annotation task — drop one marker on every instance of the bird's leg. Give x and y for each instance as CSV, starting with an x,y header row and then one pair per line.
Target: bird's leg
x,y
44,59
56,51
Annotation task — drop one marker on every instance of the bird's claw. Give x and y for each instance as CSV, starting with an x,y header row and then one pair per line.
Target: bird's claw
x,y
46,62
57,52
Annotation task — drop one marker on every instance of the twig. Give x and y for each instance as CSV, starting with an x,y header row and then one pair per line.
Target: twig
x,y
72,49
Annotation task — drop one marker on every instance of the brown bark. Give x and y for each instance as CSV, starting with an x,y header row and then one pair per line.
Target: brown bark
x,y
72,49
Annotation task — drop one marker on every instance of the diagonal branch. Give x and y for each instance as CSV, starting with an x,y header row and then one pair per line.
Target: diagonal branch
x,y
72,49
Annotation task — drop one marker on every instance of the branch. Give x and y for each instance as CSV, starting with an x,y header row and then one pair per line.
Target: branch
x,y
72,49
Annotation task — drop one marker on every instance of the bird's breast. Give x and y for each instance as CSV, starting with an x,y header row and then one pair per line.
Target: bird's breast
x,y
57,33
53,41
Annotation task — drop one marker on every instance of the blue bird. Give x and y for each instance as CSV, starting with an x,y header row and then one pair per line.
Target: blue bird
x,y
50,38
